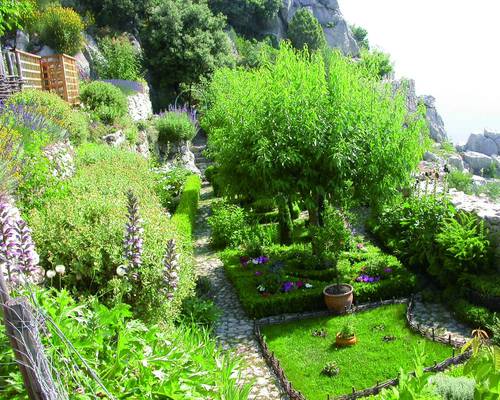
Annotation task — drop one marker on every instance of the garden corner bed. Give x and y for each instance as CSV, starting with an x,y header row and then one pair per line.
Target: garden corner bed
x,y
386,344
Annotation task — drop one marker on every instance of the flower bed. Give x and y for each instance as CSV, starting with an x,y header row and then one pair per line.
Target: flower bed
x,y
277,285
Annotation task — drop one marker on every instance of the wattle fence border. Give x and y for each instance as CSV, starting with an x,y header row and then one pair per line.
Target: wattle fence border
x,y
424,331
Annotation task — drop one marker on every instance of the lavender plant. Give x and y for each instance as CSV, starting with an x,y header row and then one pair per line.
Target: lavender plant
x,y
171,269
133,242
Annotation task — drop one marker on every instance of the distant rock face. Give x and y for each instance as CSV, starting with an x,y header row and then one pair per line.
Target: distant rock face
x,y
434,120
484,143
327,12
477,161
436,124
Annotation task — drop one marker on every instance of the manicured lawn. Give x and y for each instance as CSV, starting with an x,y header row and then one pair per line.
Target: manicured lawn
x,y
303,355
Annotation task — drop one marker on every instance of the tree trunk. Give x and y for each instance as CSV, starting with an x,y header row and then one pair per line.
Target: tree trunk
x,y
285,221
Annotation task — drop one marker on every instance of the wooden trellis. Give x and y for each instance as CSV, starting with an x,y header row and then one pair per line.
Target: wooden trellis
x,y
57,73
60,75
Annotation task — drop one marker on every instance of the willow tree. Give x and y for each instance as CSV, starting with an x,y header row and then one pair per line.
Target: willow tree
x,y
311,126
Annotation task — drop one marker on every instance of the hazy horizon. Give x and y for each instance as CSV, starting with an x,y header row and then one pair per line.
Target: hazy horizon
x,y
448,47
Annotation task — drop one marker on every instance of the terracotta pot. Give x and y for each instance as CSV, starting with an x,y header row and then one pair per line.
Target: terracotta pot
x,y
339,303
341,342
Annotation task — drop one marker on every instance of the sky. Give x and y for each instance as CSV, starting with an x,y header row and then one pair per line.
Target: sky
x,y
450,47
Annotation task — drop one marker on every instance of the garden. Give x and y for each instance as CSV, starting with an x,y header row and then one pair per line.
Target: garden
x,y
306,234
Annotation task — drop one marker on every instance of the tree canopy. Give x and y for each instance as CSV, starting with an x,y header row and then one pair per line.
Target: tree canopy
x,y
305,30
13,13
183,41
311,126
361,36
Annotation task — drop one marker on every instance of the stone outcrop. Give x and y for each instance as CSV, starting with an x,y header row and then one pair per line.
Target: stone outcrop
x,y
477,161
139,105
481,143
327,12
436,124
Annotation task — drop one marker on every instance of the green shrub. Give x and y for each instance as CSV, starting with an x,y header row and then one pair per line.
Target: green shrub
x,y
376,63
226,221
120,59
333,237
211,176
201,312
462,181
475,316
174,127
105,102
361,36
464,245
61,28
114,343
170,185
453,388
304,30
53,108
185,214
84,231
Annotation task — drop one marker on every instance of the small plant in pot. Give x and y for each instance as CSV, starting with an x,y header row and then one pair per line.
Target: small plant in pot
x,y
347,336
329,241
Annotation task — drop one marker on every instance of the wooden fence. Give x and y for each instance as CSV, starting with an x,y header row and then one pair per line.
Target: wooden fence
x,y
57,73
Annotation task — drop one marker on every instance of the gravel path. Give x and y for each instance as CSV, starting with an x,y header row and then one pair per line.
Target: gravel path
x,y
234,330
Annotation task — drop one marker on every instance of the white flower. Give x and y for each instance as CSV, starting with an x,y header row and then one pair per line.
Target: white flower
x,y
159,374
255,261
121,270
261,288
148,350
50,273
308,286
60,269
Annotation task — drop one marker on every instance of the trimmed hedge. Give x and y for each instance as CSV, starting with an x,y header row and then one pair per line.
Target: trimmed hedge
x,y
257,306
185,214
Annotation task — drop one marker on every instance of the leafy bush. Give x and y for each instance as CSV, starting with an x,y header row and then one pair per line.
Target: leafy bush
x,y
464,244
361,36
185,214
304,30
226,220
333,237
453,388
170,185
246,15
253,53
376,63
462,181
121,60
105,102
201,312
187,358
14,14
54,109
475,316
61,28
174,127
84,231
10,159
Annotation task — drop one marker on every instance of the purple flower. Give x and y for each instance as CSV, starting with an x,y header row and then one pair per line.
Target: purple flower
x,y
258,273
171,269
126,85
244,261
287,287
388,270
367,278
132,244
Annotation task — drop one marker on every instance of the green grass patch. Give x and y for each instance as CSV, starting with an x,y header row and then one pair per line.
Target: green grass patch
x,y
372,360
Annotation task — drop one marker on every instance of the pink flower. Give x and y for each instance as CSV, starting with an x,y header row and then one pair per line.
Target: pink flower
x,y
299,284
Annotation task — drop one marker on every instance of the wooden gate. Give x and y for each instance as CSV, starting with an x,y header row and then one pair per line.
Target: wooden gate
x,y
60,75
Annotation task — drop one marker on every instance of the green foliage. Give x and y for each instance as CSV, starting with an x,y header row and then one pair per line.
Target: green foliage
x,y
475,316
84,231
253,53
333,236
61,28
226,221
246,15
174,127
121,15
56,110
292,343
299,127
10,160
14,14
464,240
484,367
347,330
104,101
183,42
453,388
361,36
120,59
187,358
201,312
376,63
304,30
185,215
170,185
462,181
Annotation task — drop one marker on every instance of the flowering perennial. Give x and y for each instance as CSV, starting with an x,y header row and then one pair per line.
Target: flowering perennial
x,y
133,233
17,249
171,269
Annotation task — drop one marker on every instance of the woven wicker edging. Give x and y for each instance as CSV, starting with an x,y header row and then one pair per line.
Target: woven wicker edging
x,y
430,333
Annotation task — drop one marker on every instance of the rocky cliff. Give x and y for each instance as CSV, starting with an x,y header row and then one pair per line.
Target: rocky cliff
x,y
327,12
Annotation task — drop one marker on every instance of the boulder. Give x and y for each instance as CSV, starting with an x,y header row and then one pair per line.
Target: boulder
x,y
83,66
456,162
92,54
493,136
477,161
431,157
436,124
22,40
46,51
337,32
116,139
181,155
480,143
142,145
139,105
